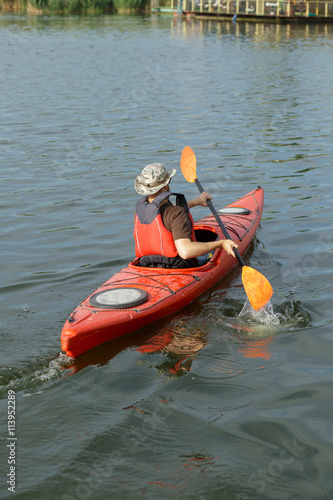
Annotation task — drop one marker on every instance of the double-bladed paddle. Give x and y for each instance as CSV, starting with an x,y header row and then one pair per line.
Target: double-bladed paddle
x,y
257,287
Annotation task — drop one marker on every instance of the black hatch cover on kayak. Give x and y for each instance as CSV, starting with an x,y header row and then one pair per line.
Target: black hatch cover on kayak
x,y
234,211
119,298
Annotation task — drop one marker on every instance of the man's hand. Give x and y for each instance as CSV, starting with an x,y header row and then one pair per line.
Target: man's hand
x,y
201,200
228,246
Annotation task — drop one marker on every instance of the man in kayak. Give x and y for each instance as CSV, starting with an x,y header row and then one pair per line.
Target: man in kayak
x,y
163,232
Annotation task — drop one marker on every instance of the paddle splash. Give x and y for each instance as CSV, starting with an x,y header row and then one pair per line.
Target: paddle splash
x,y
265,315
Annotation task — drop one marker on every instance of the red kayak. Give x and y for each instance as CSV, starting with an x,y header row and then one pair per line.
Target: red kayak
x,y
136,296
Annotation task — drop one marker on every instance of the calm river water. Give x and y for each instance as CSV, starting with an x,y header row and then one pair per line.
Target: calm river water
x,y
233,407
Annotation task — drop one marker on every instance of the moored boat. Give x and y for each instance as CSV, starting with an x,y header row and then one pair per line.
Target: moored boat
x,y
137,296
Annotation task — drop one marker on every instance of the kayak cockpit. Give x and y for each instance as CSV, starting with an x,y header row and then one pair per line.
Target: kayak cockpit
x,y
205,235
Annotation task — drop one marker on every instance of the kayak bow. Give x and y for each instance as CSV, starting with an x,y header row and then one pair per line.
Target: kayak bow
x,y
137,296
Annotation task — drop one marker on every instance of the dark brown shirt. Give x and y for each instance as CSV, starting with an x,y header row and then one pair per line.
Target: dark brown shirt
x,y
176,220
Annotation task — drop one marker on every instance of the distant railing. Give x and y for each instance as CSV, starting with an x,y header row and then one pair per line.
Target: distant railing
x,y
272,8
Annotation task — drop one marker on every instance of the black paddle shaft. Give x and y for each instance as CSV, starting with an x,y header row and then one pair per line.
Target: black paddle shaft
x,y
220,223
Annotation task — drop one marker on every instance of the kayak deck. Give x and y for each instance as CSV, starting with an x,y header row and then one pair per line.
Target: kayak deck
x,y
165,291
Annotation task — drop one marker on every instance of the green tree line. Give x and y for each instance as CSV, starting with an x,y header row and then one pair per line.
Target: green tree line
x,y
81,6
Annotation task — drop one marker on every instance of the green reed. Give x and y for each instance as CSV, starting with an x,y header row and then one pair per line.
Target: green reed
x,y
84,6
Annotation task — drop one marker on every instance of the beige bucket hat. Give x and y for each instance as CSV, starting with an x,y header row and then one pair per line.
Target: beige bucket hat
x,y
152,178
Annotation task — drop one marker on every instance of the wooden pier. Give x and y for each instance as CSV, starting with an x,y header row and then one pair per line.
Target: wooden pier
x,y
274,10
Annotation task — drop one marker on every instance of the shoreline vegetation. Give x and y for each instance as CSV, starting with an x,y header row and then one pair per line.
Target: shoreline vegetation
x,y
76,6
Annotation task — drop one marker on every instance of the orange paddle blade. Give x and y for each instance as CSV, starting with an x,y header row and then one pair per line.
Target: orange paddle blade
x,y
188,164
257,287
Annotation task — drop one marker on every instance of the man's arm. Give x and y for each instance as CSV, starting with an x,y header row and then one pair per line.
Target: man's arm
x,y
188,249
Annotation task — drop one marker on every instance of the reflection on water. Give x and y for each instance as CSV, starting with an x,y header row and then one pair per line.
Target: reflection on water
x,y
264,33
179,344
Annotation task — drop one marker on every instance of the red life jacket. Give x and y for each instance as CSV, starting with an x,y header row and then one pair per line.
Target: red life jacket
x,y
150,234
